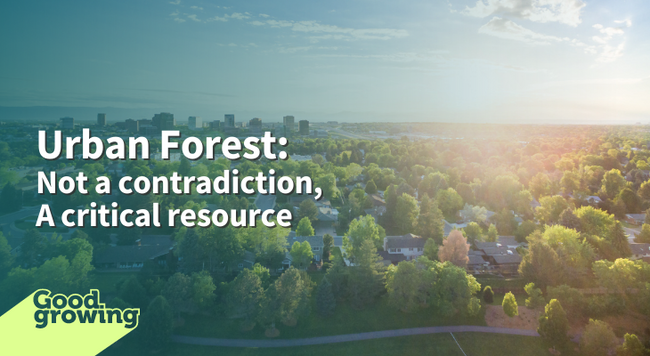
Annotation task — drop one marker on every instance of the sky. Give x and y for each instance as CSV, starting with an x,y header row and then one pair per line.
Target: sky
x,y
494,61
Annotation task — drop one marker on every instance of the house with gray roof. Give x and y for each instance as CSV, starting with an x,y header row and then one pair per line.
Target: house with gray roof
x,y
409,245
149,248
640,251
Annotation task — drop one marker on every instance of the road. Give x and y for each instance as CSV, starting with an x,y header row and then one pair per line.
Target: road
x,y
205,341
630,232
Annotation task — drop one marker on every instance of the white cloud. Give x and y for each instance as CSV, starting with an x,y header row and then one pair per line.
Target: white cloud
x,y
175,2
331,32
193,18
196,8
217,18
179,20
509,30
240,16
562,11
627,22
264,15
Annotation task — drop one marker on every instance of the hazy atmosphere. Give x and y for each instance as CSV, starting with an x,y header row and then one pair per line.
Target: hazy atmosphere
x,y
491,61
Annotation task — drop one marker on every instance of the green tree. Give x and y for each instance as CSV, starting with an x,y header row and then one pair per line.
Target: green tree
x,y
132,292
178,292
32,250
371,187
473,232
185,167
612,184
366,279
488,295
644,236
509,305
304,228
325,301
535,298
553,324
632,346
203,290
293,291
541,265
6,258
550,209
431,250
449,202
492,234
407,206
327,183
524,230
429,224
301,254
308,210
633,202
244,298
328,243
569,220
360,230
157,324
644,190
403,284
598,339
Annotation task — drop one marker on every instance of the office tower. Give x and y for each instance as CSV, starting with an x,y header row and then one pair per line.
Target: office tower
x,y
194,122
288,122
229,120
304,127
132,126
214,125
101,119
164,121
255,123
67,123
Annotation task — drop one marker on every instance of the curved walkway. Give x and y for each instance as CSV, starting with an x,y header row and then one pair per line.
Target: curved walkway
x,y
206,341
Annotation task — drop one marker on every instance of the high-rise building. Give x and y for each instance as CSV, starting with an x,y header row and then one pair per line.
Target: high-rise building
x,y
67,123
164,121
304,127
194,122
101,119
229,120
214,125
288,122
132,126
255,123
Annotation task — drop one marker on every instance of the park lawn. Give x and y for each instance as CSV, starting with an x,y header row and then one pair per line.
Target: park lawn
x,y
501,282
346,320
474,344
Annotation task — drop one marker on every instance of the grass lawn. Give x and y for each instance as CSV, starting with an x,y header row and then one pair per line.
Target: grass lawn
x,y
474,344
501,282
346,320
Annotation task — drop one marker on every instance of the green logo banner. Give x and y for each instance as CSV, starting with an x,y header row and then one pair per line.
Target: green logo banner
x,y
55,324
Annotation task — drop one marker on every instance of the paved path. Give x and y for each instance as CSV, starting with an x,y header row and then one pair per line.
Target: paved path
x,y
206,341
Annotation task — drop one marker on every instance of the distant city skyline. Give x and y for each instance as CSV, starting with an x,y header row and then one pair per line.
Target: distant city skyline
x,y
491,61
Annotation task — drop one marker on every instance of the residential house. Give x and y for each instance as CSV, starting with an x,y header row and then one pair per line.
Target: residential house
x,y
635,219
640,251
410,246
149,248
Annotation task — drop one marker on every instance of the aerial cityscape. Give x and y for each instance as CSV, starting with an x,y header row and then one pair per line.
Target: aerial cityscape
x,y
457,178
